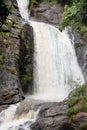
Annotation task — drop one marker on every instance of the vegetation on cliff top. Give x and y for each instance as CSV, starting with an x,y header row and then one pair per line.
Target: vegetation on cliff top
x,y
75,14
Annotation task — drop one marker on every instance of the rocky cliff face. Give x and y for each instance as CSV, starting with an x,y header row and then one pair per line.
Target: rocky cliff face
x,y
16,61
16,50
44,12
26,59
9,56
15,56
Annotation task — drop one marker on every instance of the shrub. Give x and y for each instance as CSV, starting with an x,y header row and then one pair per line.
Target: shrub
x,y
72,101
77,101
72,111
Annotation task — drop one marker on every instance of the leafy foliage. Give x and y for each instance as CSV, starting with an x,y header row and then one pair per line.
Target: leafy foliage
x,y
77,101
75,14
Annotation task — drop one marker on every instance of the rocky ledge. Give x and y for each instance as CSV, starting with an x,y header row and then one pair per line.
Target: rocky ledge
x,y
44,12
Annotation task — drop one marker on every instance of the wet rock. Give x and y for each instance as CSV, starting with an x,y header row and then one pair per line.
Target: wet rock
x,y
35,126
52,116
26,59
47,13
49,116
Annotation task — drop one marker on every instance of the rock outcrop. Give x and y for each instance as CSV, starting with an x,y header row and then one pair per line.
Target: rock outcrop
x,y
50,116
10,88
16,73
45,12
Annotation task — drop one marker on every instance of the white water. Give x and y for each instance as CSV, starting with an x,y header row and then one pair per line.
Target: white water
x,y
8,121
23,8
56,69
55,64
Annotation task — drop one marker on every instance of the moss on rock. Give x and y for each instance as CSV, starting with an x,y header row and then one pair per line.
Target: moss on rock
x,y
77,101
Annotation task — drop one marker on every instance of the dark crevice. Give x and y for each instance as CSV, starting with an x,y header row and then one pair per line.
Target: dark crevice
x,y
26,60
67,127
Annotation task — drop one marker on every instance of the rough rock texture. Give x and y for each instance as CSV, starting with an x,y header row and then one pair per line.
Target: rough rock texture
x,y
47,13
79,120
10,91
50,116
16,66
26,58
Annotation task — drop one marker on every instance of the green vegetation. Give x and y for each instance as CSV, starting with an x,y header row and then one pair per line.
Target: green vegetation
x,y
26,77
77,101
12,70
83,126
75,14
8,22
18,26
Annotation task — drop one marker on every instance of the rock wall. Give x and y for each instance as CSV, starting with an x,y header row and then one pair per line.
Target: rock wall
x,y
44,12
26,59
9,56
16,73
15,57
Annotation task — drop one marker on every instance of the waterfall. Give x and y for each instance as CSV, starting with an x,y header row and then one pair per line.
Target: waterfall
x,y
23,4
56,70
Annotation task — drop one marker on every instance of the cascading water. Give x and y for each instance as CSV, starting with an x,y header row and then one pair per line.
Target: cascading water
x,y
55,69
55,64
9,121
23,4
